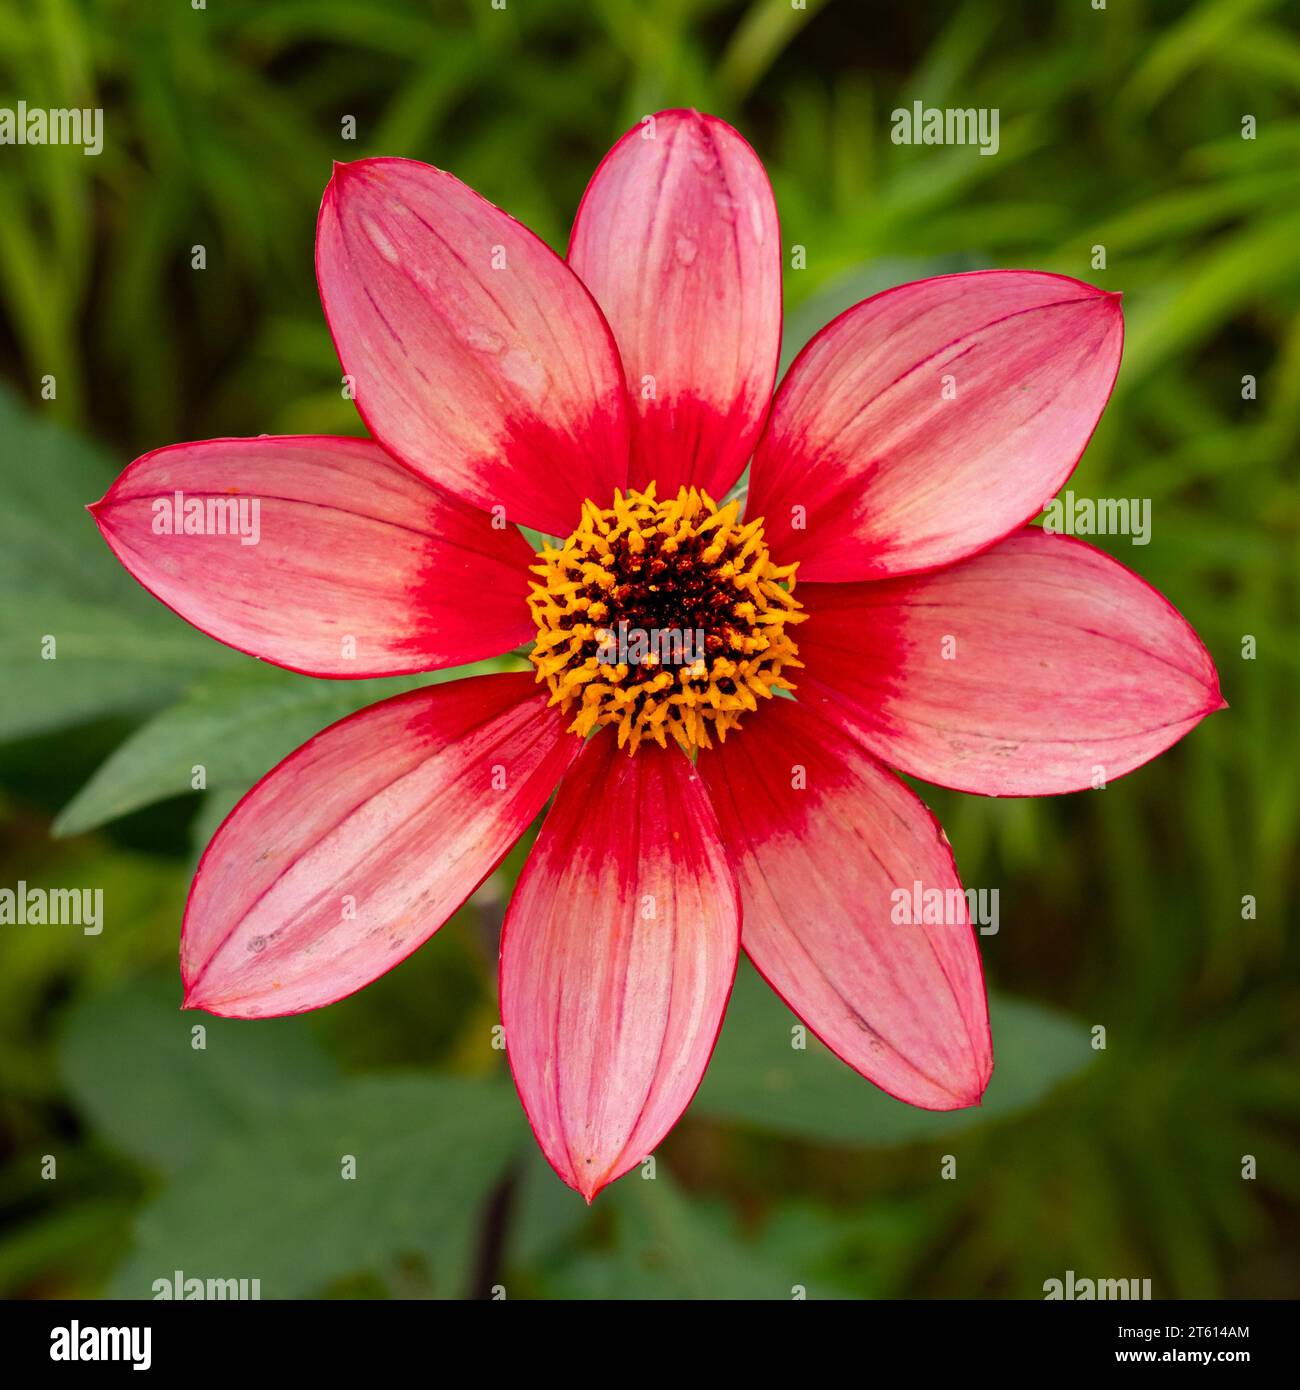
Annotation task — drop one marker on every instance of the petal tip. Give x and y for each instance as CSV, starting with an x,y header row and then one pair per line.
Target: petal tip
x,y
347,172
1214,697
968,1088
971,1097
590,1188
192,993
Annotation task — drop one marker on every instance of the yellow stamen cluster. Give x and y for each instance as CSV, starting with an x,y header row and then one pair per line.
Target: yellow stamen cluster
x,y
682,567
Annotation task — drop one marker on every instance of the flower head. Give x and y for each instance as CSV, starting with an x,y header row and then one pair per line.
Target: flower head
x,y
720,737
681,568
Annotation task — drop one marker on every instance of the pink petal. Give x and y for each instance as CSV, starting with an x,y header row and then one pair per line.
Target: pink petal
x,y
617,959
358,567
479,359
677,237
1036,667
824,839
359,846
867,470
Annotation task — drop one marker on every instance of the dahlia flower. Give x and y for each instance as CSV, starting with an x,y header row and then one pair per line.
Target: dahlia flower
x,y
741,797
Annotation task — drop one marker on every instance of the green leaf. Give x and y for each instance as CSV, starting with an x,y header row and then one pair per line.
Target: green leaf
x,y
237,725
758,41
757,1079
273,1204
667,1245
104,661
114,647
214,807
75,1240
128,1059
546,1217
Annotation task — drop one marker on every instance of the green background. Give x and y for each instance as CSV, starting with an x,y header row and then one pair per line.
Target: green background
x,y
1123,908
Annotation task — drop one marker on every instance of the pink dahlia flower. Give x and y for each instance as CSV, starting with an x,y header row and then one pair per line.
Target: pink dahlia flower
x,y
610,399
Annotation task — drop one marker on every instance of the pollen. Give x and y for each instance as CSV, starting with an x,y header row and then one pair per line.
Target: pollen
x,y
666,619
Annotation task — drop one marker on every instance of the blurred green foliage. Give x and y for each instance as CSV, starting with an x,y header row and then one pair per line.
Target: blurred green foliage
x,y
1120,128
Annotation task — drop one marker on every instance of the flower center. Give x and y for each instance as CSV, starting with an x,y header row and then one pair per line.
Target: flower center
x,y
665,618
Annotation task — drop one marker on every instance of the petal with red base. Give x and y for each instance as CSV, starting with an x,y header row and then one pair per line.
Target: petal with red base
x,y
677,238
1040,666
477,356
353,851
839,866
319,554
617,959
930,421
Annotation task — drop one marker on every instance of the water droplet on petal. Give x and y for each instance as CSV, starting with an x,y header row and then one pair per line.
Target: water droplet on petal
x,y
484,339
756,220
685,250
379,240
726,206
427,278
524,370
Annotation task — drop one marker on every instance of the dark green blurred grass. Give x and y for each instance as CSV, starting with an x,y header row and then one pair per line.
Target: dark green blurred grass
x,y
1120,127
